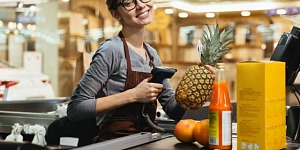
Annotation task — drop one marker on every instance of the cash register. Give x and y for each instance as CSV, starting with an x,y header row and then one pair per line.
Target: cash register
x,y
288,51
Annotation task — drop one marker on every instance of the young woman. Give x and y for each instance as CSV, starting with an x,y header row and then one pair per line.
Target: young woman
x,y
116,86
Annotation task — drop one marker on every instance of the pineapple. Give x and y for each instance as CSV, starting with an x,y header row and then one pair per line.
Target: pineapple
x,y
195,87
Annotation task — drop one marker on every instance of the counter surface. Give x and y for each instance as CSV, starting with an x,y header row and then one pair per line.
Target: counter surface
x,y
170,143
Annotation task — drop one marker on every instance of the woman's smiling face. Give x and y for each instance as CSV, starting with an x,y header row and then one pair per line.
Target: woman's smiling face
x,y
140,16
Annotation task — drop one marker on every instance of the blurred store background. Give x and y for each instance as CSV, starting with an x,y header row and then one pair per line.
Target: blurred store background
x,y
49,36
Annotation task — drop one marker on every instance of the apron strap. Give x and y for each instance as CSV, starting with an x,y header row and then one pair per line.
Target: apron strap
x,y
126,50
151,63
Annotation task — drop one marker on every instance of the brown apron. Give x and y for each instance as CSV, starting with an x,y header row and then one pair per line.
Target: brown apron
x,y
128,119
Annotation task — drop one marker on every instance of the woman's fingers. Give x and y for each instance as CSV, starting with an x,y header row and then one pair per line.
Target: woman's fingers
x,y
210,68
147,92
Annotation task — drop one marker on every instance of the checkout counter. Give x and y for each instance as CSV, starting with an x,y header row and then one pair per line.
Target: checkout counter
x,y
44,112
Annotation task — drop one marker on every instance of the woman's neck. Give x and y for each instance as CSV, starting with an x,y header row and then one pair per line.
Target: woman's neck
x,y
134,36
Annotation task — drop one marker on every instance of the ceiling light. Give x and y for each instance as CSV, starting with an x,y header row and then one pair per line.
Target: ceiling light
x,y
245,13
65,1
19,26
210,15
281,11
16,32
227,6
263,46
169,11
29,26
32,8
183,15
33,27
20,5
285,11
12,25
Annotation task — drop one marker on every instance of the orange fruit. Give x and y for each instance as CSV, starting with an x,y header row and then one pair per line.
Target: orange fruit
x,y
184,130
201,132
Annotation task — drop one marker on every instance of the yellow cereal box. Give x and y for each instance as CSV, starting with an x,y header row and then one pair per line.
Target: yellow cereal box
x,y
261,105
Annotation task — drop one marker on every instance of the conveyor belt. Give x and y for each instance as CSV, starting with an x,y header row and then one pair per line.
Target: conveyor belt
x,y
127,142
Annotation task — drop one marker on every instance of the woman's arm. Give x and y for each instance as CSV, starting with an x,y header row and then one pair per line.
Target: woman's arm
x,y
144,93
169,103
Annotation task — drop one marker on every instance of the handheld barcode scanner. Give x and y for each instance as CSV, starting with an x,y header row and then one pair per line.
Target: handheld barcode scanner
x,y
159,74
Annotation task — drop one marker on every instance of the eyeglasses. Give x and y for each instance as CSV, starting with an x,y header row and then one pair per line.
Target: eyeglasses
x,y
130,4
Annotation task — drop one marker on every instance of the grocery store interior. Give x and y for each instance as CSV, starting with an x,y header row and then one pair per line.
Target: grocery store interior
x,y
55,32
46,45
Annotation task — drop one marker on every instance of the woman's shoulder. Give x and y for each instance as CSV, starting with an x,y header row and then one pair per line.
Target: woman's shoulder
x,y
112,42
110,45
109,49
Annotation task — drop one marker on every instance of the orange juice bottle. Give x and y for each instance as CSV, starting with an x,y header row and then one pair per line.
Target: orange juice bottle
x,y
220,110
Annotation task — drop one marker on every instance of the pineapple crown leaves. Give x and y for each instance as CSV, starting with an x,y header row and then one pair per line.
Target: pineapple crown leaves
x,y
215,45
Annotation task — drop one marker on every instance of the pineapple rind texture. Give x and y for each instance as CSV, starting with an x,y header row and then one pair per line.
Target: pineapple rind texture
x,y
195,87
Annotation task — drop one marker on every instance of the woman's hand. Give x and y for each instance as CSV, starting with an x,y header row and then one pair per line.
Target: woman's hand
x,y
146,92
209,67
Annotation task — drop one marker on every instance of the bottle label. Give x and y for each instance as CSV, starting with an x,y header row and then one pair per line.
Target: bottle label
x,y
222,132
226,127
213,128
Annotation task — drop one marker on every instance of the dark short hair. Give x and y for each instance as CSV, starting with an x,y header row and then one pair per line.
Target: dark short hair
x,y
111,4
